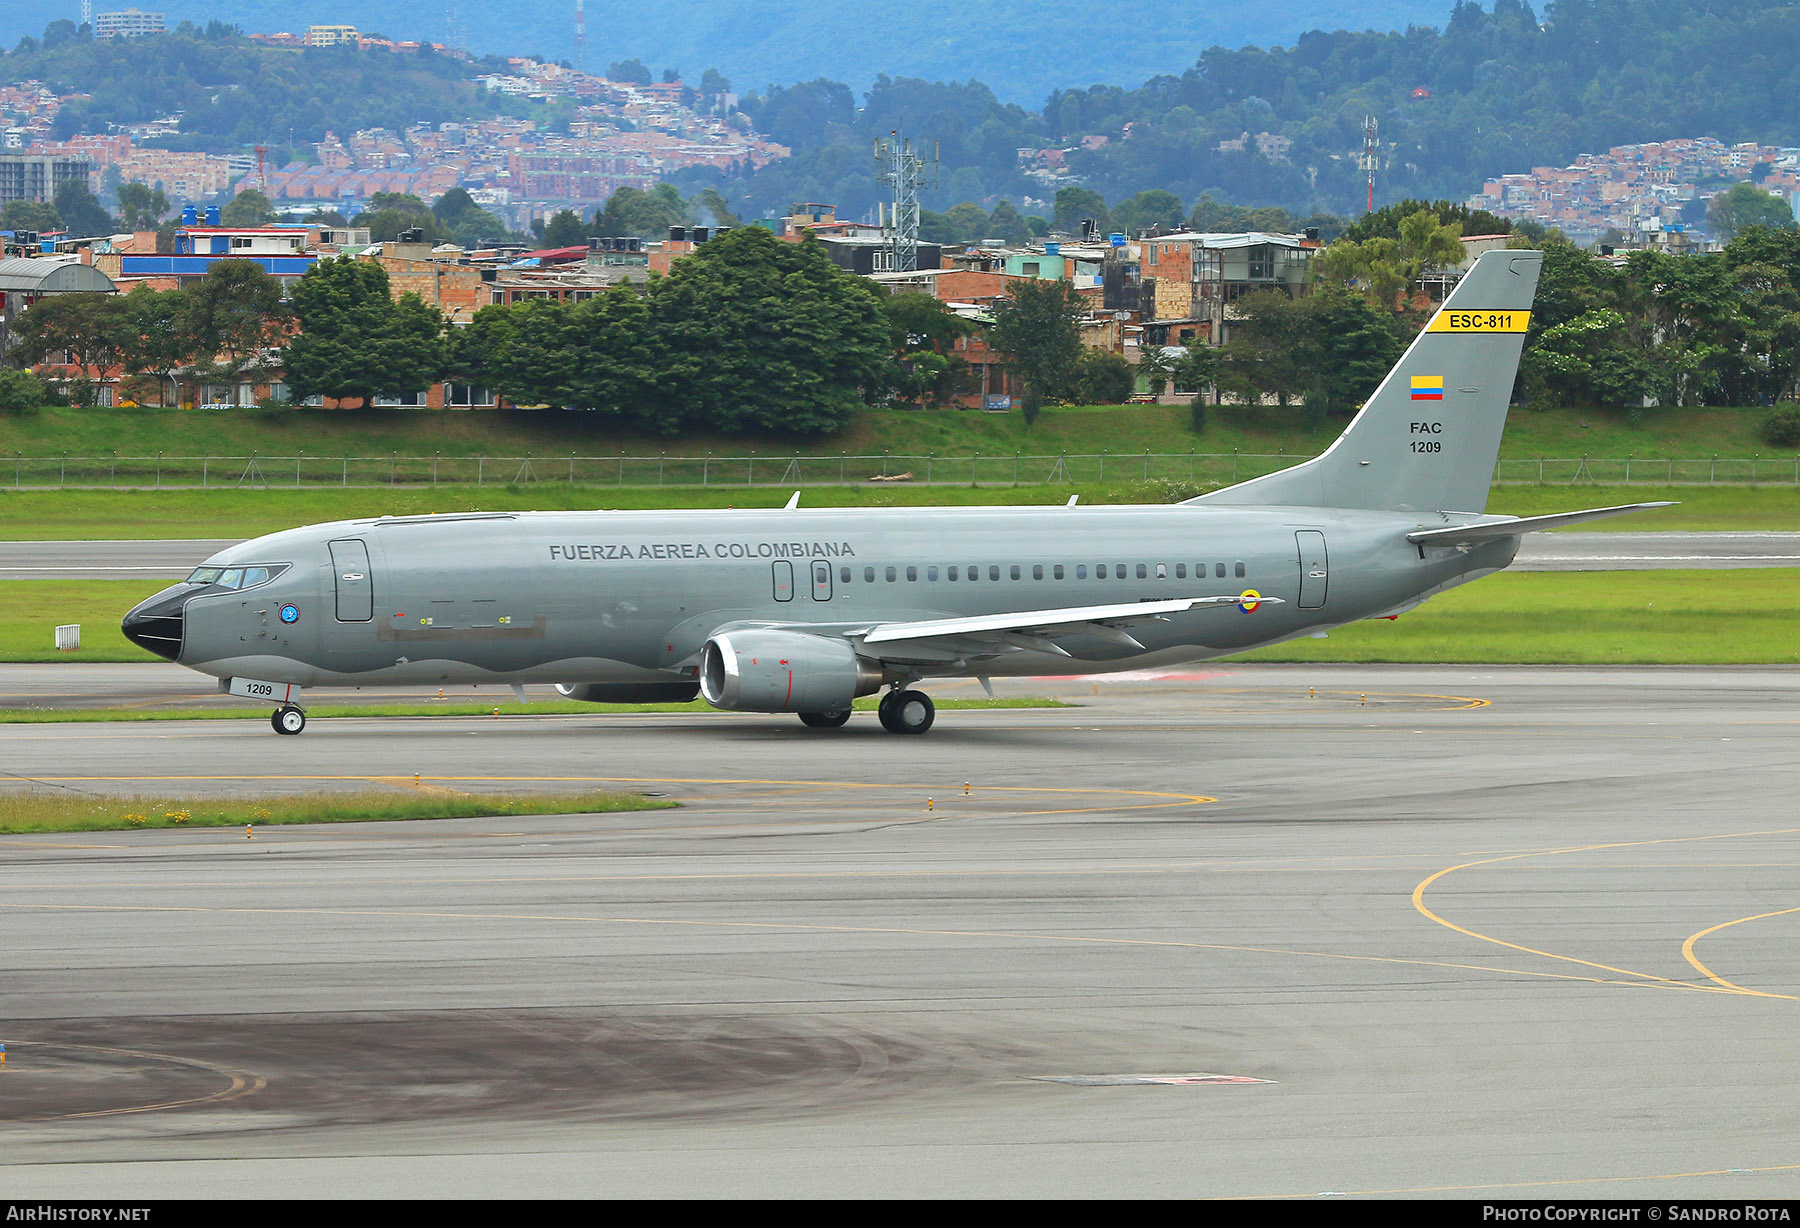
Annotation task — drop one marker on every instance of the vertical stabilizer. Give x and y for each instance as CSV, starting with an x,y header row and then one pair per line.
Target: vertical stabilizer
x,y
1427,439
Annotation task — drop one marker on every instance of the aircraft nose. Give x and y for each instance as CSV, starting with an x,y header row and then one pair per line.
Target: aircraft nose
x,y
156,624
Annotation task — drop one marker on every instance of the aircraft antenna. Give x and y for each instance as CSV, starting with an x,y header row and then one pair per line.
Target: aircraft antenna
x,y
1371,154
902,167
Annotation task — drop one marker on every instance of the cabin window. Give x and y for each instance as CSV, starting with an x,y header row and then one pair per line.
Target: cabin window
x,y
892,575
931,574
844,575
994,572
1181,571
1143,572
1081,571
1162,571
869,575
952,573
1240,571
1037,571
1015,571
912,574
1058,572
1219,570
974,571
1100,571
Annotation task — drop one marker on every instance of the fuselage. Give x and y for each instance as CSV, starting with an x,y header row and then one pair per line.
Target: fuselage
x,y
577,597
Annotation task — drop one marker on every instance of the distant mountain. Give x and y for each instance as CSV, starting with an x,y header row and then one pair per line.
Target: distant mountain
x,y
1021,49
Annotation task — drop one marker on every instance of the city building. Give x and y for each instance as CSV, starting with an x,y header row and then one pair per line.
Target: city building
x,y
37,176
26,279
127,24
330,36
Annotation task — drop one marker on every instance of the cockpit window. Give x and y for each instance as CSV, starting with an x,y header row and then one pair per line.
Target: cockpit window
x,y
236,577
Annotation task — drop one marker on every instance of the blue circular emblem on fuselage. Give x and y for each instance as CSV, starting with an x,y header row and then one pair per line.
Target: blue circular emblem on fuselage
x,y
290,614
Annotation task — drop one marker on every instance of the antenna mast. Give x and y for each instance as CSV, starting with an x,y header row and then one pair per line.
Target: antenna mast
x,y
580,34
1371,155
903,168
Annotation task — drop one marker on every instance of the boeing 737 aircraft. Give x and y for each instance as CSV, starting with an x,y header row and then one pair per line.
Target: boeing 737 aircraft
x,y
802,610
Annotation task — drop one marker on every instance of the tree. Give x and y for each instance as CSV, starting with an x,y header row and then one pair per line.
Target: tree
x,y
632,211
37,215
564,229
248,208
752,333
921,332
1743,206
1384,268
1073,205
21,390
86,329
141,206
233,315
968,222
1037,327
629,72
1101,378
80,211
1007,223
1151,207
157,340
355,342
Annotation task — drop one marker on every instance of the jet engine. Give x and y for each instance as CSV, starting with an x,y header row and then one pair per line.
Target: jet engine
x,y
784,671
629,692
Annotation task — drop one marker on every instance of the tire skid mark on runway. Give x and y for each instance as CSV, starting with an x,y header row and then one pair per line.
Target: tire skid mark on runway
x,y
243,1082
1687,951
1643,978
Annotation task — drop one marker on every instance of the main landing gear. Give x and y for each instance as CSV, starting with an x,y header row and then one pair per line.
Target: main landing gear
x,y
288,719
906,711
901,711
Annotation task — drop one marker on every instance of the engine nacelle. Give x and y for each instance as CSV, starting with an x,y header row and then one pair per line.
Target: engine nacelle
x,y
784,671
630,692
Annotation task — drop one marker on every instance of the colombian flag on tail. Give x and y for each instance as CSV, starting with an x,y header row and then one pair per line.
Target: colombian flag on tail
x,y
1427,387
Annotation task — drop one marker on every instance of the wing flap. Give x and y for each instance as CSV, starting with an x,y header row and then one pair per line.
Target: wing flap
x,y
1103,621
1469,534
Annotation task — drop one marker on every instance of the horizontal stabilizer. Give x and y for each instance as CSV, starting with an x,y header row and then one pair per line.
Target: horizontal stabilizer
x,y
1071,620
1488,530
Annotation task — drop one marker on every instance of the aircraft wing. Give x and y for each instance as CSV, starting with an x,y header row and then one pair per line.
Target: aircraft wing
x,y
1037,628
1487,530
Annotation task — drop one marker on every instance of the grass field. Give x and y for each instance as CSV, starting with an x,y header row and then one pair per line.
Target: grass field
x,y
1117,430
1676,617
38,813
86,515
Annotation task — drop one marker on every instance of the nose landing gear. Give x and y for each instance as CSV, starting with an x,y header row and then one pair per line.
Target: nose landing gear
x,y
288,719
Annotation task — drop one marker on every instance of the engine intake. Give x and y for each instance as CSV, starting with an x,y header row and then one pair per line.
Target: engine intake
x,y
784,671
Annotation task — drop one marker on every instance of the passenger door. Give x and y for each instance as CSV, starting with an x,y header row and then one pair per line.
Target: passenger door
x,y
355,586
1314,570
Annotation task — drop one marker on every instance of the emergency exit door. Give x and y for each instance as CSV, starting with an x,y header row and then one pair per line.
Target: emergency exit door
x,y
355,587
1314,569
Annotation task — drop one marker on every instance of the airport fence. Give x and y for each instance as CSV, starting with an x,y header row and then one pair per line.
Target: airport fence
x,y
1204,469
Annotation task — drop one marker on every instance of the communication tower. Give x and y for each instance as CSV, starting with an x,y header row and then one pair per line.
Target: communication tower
x,y
900,166
580,33
1371,155
87,15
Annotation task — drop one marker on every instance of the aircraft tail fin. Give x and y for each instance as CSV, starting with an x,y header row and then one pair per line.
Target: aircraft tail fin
x,y
1427,439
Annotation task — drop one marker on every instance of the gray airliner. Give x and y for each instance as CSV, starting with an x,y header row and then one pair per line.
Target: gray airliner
x,y
802,610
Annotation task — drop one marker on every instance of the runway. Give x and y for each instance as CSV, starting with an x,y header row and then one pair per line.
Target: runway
x,y
1415,932
172,559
